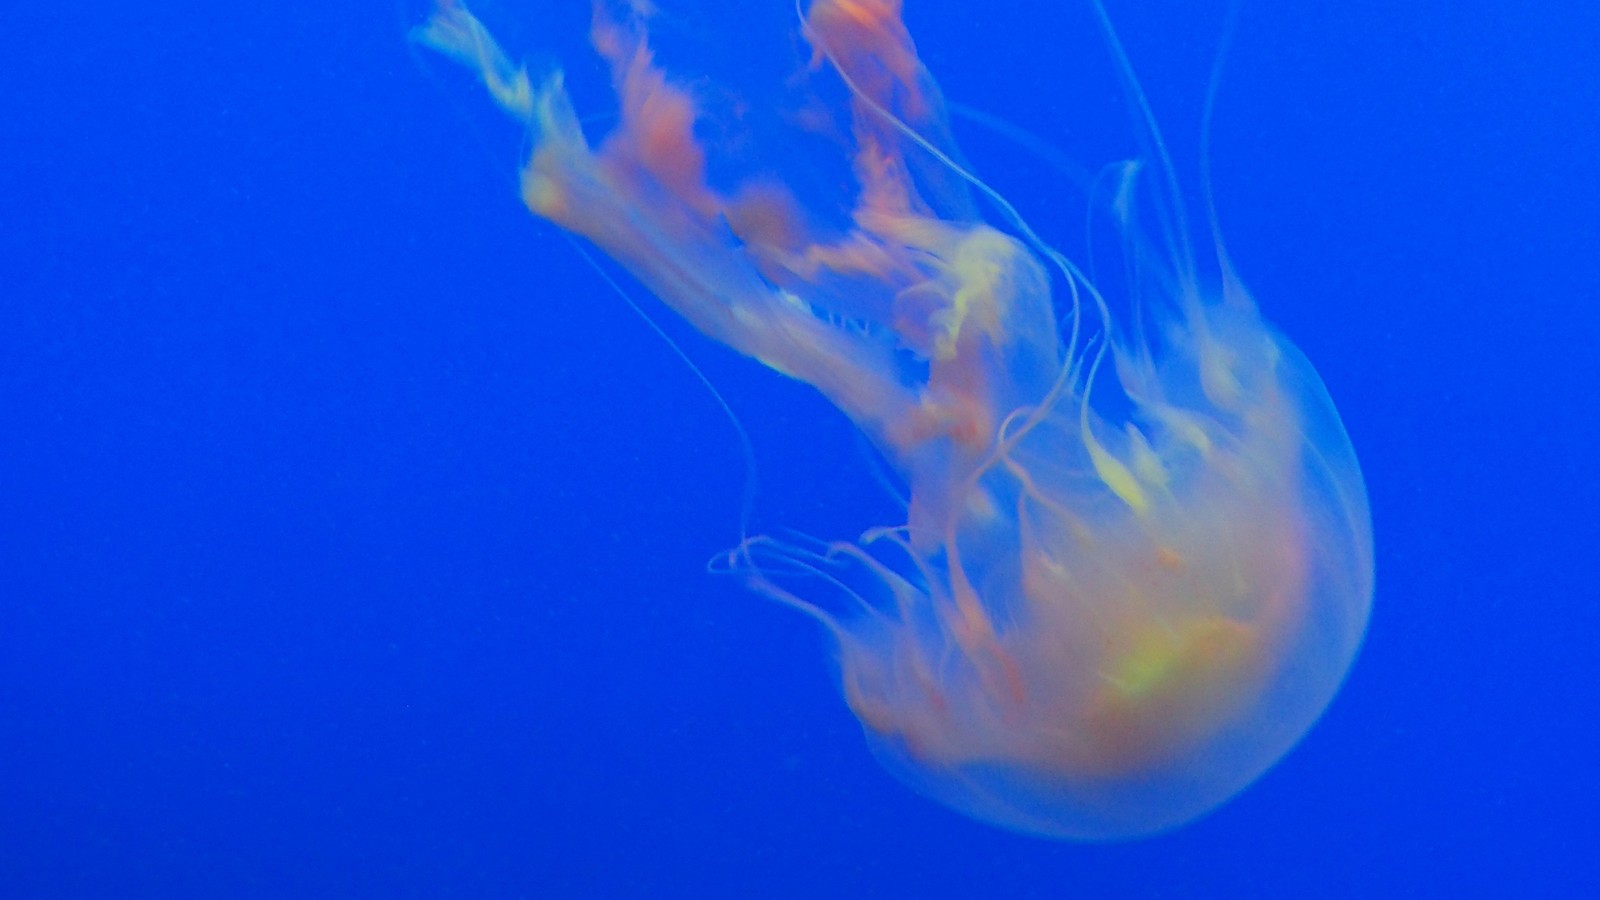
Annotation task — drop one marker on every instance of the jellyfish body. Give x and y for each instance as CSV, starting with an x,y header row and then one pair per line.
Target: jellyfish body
x,y
1090,626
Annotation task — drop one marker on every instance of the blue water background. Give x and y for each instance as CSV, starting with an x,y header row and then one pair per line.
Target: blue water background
x,y
352,532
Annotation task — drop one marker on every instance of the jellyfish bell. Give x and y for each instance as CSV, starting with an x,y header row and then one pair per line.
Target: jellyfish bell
x,y
1099,620
1157,638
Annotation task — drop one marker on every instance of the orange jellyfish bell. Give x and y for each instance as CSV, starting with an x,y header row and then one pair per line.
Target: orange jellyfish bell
x,y
1092,624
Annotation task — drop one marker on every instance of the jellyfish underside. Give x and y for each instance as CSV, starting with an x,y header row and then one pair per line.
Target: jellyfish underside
x,y
1090,626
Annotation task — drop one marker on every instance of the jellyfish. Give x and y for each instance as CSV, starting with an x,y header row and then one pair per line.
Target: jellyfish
x,y
1136,559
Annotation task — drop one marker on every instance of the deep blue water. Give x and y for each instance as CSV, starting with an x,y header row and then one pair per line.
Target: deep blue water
x,y
352,533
